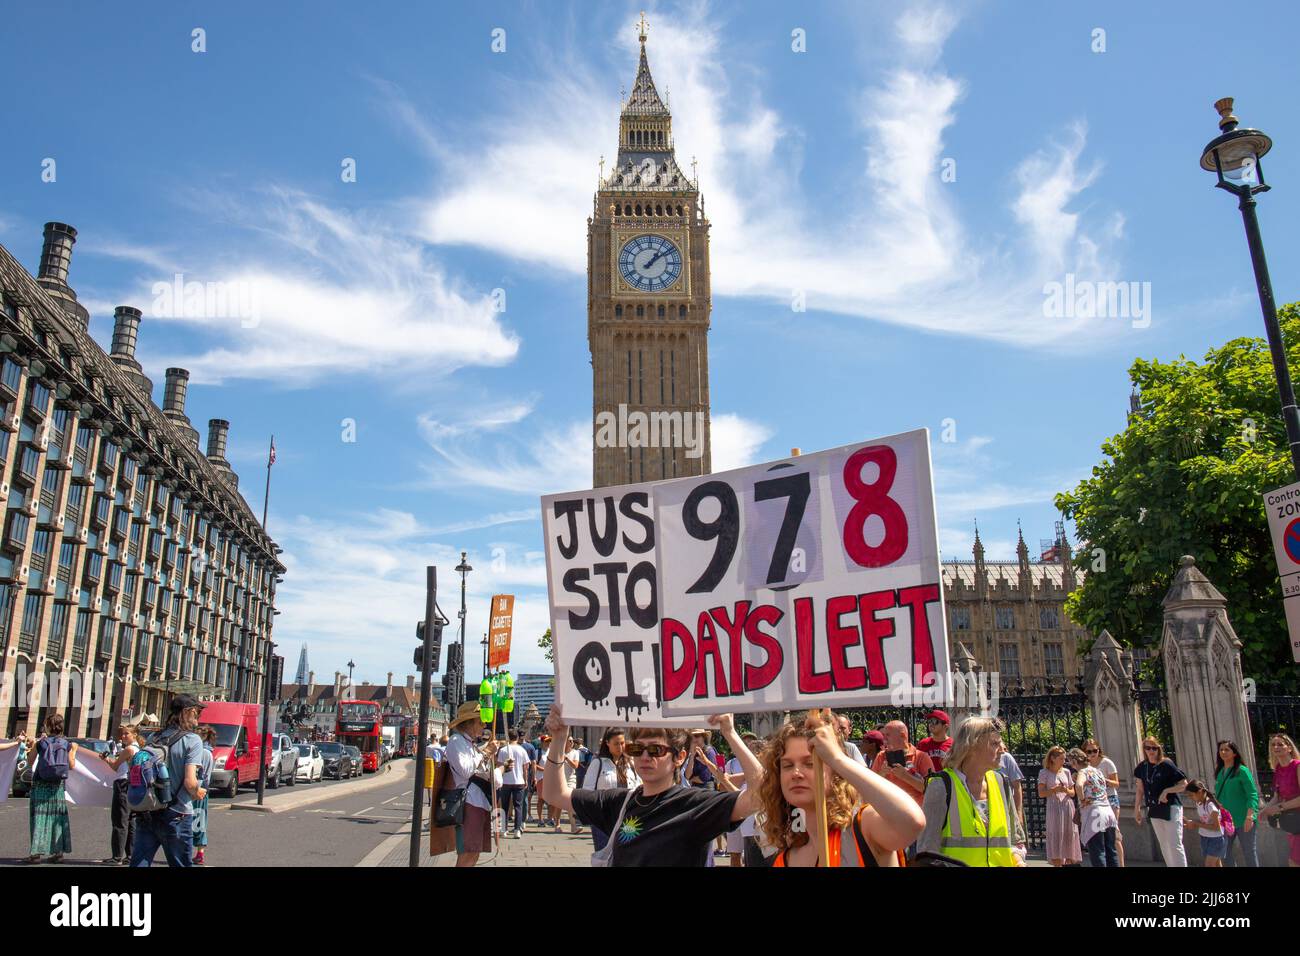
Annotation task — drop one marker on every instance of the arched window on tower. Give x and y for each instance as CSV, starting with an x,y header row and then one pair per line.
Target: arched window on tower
x,y
659,209
618,310
661,311
640,311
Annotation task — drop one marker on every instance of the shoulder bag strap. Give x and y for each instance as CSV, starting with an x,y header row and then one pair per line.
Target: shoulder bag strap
x,y
864,849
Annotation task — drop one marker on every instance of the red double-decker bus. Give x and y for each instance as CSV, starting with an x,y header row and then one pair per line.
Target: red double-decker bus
x,y
359,725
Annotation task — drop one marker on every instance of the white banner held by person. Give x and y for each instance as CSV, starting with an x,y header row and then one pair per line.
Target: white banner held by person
x,y
90,782
8,763
600,574
809,582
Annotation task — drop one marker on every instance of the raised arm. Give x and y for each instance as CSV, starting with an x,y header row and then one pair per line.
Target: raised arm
x,y
748,802
892,820
555,783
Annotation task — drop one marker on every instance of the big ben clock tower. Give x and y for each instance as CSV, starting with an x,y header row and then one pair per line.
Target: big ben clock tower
x,y
648,303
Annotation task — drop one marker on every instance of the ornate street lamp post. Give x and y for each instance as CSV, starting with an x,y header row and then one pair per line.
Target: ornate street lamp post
x,y
1235,158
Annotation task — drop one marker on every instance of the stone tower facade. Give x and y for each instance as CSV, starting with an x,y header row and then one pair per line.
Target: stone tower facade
x,y
648,303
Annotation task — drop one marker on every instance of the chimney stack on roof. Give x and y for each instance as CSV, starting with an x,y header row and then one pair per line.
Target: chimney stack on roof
x,y
126,329
174,394
56,255
218,430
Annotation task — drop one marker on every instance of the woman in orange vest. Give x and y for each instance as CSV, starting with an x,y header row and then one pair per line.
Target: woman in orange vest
x,y
869,819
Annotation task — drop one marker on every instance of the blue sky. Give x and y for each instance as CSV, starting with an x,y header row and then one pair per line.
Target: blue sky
x,y
377,302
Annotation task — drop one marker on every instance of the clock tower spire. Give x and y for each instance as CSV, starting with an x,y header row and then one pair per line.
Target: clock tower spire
x,y
648,303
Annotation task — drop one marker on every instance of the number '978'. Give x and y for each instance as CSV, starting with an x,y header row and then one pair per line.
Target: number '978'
x,y
869,499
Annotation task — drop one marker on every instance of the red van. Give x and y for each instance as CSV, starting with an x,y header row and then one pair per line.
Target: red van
x,y
240,747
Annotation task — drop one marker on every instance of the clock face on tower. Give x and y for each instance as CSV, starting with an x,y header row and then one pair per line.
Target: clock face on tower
x,y
650,263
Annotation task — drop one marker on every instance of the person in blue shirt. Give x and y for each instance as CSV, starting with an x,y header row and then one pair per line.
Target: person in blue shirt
x,y
171,828
207,734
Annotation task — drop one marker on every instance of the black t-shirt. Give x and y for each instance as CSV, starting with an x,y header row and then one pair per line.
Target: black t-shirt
x,y
1156,778
675,828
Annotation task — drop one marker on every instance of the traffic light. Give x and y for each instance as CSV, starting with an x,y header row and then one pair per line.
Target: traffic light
x,y
435,649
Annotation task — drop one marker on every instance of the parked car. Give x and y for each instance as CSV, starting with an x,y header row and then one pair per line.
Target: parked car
x,y
23,775
284,762
311,765
338,762
239,750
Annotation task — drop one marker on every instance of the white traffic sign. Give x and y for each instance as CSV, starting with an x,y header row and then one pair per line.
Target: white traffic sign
x,y
1283,508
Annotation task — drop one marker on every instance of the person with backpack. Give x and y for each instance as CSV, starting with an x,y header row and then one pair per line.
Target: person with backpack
x,y
1212,823
207,733
121,817
163,784
970,814
51,832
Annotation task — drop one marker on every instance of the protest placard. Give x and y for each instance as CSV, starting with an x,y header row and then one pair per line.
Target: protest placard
x,y
500,625
600,571
809,582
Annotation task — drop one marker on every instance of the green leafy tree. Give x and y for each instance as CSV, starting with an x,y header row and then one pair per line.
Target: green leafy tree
x,y
544,642
1187,476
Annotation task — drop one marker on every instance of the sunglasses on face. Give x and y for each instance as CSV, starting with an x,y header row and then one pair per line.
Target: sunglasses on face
x,y
1152,750
654,750
1090,751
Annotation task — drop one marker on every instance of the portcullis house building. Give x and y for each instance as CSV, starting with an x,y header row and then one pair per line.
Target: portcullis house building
x,y
131,568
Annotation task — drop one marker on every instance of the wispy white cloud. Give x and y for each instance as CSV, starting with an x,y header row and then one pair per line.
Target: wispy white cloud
x,y
905,258
736,441
348,292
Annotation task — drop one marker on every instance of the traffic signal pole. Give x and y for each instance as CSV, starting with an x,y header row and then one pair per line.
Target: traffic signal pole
x,y
430,628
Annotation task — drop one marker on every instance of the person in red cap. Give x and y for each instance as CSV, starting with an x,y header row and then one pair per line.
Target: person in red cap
x,y
872,743
938,743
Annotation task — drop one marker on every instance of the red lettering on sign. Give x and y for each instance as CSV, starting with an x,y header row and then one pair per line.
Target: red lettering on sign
x,y
734,629
918,600
676,677
707,646
759,676
810,682
838,639
874,632
873,499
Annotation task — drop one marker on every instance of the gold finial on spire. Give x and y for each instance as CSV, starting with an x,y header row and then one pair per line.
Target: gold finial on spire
x,y
641,27
695,177
602,167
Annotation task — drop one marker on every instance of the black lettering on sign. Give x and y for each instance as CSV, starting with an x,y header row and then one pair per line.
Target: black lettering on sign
x,y
568,509
795,489
611,570
644,520
648,616
725,528
582,622
605,542
591,674
631,700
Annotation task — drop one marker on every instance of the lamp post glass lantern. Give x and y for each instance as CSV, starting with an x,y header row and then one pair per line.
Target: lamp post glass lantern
x,y
1235,157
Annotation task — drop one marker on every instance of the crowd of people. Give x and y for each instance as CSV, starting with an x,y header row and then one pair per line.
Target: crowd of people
x,y
668,797
178,755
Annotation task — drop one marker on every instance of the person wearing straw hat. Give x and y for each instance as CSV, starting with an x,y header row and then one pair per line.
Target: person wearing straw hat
x,y
470,767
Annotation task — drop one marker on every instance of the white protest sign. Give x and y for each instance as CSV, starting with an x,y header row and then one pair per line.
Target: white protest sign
x,y
601,577
809,582
1283,508
90,782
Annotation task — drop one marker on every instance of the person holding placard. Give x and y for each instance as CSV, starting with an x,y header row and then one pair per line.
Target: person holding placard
x,y
661,822
870,821
120,816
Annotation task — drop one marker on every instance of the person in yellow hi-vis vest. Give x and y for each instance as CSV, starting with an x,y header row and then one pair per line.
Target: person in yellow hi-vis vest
x,y
970,814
